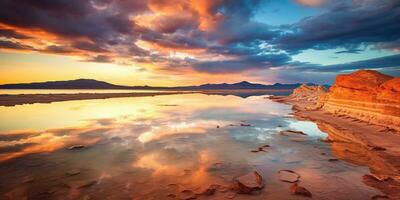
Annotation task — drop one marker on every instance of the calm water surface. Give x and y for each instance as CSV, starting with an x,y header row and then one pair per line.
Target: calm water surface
x,y
69,91
153,147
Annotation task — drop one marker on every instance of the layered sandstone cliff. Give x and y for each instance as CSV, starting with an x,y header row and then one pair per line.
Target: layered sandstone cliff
x,y
305,97
366,95
342,112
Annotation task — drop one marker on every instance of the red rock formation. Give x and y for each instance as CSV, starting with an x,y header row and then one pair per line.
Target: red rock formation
x,y
308,96
366,95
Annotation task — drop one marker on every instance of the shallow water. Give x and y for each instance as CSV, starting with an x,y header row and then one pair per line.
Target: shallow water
x,y
70,91
153,147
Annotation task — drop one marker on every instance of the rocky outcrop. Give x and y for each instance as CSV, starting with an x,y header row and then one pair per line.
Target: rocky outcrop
x,y
308,93
366,95
361,114
304,97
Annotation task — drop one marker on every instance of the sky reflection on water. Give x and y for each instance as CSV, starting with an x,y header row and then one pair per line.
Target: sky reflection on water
x,y
149,147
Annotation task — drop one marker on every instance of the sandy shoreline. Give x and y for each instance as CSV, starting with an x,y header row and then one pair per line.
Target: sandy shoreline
x,y
20,99
358,142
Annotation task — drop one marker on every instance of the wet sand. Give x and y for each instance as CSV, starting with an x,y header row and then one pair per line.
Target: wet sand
x,y
358,142
20,99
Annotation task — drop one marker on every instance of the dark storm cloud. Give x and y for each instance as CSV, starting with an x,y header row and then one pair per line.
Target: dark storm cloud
x,y
9,33
190,39
15,148
238,26
243,63
346,25
100,59
4,44
395,45
57,49
376,63
73,18
99,22
106,30
171,24
87,46
355,51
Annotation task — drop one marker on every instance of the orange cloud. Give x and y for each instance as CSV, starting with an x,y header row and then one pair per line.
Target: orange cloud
x,y
312,3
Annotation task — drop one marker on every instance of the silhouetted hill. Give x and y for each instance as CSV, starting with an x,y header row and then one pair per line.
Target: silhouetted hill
x,y
94,84
72,84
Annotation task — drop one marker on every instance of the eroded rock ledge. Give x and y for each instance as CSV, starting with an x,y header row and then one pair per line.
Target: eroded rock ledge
x,y
366,95
361,114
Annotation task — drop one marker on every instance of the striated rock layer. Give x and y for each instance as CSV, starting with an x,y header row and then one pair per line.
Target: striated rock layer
x,y
366,95
308,93
304,97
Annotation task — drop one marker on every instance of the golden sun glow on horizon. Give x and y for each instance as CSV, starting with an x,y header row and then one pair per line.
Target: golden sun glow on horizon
x,y
181,43
45,55
36,67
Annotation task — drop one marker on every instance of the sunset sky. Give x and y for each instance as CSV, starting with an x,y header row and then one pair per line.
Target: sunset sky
x,y
185,42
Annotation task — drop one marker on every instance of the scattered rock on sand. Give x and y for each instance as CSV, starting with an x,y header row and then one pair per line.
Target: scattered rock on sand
x,y
388,185
81,184
230,195
216,166
298,139
248,183
333,159
378,196
28,179
288,176
74,147
223,189
17,193
288,132
73,172
299,190
377,148
261,148
172,196
187,195
326,140
86,197
173,186
210,190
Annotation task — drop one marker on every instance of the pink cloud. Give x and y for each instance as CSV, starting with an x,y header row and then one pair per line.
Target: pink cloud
x,y
311,2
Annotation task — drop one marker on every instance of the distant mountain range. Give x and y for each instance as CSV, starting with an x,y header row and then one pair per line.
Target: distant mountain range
x,y
94,84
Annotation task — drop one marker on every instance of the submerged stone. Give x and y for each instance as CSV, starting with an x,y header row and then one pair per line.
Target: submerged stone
x,y
261,148
208,191
73,172
299,190
74,147
377,197
187,195
248,183
28,179
288,176
81,184
289,132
